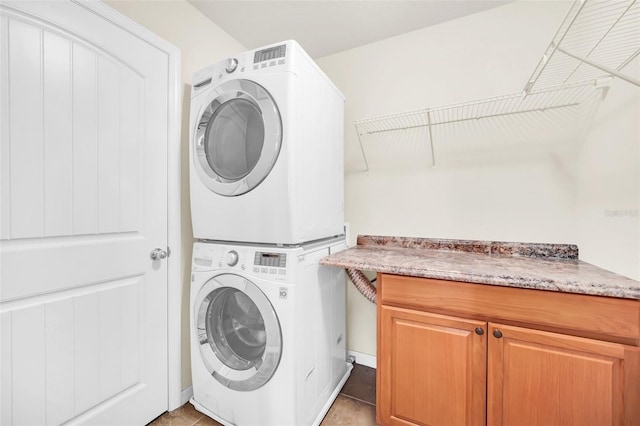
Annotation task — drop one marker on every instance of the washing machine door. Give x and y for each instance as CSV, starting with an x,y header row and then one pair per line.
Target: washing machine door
x,y
238,332
238,138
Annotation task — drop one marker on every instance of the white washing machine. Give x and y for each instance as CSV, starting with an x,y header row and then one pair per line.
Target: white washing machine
x,y
267,332
266,148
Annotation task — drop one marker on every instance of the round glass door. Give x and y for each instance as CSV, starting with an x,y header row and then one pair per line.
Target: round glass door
x,y
238,332
238,138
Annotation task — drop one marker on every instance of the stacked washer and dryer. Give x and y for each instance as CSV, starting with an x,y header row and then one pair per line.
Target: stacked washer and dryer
x,y
266,173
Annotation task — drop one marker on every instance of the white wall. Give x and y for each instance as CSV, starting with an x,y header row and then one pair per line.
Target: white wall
x,y
534,193
608,183
201,43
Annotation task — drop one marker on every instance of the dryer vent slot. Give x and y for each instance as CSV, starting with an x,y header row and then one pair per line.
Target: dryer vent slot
x,y
203,83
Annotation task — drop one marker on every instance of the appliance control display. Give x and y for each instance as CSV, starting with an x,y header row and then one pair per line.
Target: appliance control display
x,y
270,53
278,260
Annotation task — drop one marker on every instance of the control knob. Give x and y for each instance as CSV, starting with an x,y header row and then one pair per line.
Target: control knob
x,y
232,64
232,258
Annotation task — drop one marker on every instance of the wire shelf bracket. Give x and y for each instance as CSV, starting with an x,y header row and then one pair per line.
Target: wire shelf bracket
x,y
595,39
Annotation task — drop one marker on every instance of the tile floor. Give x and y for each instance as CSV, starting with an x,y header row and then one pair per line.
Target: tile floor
x,y
355,405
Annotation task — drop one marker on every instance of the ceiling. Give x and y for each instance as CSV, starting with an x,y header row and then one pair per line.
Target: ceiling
x,y
327,27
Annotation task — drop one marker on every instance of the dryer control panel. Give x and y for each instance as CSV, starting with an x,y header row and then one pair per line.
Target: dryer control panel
x,y
270,53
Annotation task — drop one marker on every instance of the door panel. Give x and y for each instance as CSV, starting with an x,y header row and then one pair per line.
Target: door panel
x,y
58,344
108,146
72,350
534,377
72,261
6,373
84,201
432,369
81,112
131,114
86,351
28,366
58,143
85,154
25,124
5,153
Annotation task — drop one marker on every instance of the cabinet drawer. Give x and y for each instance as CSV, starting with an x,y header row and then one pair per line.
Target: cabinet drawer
x,y
605,318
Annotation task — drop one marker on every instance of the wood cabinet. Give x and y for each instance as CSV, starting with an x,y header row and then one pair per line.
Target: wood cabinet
x,y
423,386
496,355
541,378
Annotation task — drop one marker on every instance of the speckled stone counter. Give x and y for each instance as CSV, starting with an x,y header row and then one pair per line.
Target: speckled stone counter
x,y
553,267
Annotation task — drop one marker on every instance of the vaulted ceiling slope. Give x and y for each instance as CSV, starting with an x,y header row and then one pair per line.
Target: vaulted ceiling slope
x,y
327,27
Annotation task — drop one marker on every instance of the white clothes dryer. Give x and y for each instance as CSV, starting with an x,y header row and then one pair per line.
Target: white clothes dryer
x,y
267,333
266,148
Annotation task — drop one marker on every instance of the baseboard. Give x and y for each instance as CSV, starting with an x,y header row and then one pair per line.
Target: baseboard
x,y
186,394
363,359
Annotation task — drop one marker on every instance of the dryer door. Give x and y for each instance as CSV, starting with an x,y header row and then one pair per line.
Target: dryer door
x,y
238,138
238,332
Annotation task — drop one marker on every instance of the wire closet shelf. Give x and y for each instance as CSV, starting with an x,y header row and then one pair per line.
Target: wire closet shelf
x,y
596,38
596,41
433,119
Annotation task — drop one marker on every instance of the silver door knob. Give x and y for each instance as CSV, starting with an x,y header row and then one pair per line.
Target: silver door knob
x,y
158,254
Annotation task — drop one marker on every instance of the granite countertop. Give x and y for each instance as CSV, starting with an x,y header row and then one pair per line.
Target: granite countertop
x,y
553,267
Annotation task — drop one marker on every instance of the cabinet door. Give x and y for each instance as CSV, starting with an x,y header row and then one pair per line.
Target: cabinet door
x,y
431,369
546,379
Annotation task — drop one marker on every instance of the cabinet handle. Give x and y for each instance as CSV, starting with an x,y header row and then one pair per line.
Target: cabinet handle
x,y
479,331
497,334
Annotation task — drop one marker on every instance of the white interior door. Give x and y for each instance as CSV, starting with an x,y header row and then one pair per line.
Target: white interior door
x,y
83,308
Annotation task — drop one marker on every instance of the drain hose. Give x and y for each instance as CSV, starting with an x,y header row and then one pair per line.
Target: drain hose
x,y
363,284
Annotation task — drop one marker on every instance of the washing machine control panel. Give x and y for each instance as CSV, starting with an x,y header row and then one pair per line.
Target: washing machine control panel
x,y
270,259
270,263
267,264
